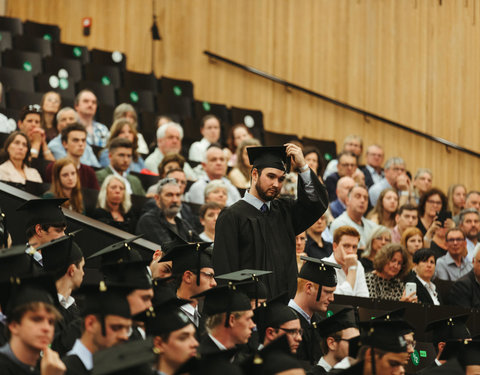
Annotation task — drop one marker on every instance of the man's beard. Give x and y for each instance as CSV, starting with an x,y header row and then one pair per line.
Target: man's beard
x,y
263,194
172,211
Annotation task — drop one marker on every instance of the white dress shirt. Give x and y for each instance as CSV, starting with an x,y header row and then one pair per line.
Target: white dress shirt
x,y
360,288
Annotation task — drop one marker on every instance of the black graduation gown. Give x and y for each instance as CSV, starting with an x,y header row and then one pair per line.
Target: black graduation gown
x,y
207,346
247,238
316,370
74,365
451,367
309,351
67,330
8,367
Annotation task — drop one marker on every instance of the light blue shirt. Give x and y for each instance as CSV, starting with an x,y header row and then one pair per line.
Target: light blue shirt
x,y
376,189
447,269
99,136
298,309
83,354
58,151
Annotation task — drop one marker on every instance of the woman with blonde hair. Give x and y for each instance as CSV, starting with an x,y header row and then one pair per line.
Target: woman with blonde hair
x,y
456,197
386,208
66,184
114,204
380,237
51,104
126,111
240,174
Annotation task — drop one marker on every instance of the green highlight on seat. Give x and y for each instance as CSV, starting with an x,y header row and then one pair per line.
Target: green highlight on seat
x,y
177,90
63,83
47,37
27,66
134,96
327,156
77,52
206,106
106,81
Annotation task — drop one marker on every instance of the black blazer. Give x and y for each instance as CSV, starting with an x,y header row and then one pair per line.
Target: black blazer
x,y
422,292
465,292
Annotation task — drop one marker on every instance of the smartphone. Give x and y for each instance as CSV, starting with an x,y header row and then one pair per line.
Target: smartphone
x,y
410,288
444,215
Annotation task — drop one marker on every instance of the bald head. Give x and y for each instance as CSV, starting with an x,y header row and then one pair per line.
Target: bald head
x,y
344,185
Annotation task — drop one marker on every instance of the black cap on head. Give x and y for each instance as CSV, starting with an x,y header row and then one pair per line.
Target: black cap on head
x,y
15,261
43,211
398,316
59,254
124,358
256,290
189,257
453,328
165,317
213,363
134,275
319,271
343,319
119,252
22,291
269,157
385,335
224,299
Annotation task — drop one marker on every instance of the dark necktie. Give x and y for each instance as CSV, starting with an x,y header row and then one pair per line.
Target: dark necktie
x,y
264,208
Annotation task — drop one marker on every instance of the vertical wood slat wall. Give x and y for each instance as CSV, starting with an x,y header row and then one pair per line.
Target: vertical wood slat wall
x,y
413,61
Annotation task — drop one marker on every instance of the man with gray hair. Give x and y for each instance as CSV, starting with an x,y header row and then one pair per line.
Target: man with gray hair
x,y
395,177
67,116
470,226
161,224
169,141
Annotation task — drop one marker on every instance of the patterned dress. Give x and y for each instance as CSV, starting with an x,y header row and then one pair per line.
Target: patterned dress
x,y
384,289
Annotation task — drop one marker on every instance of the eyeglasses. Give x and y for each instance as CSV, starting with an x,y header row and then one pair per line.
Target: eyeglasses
x,y
347,165
167,181
437,203
455,239
209,275
292,331
384,238
411,343
34,108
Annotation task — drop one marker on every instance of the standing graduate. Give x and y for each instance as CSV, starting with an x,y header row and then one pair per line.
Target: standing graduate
x,y
258,232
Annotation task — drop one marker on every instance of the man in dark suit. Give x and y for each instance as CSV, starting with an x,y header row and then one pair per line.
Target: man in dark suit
x,y
373,170
466,290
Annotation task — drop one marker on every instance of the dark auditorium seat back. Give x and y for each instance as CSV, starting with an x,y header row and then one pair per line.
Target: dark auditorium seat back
x,y
14,25
253,119
139,81
53,65
17,79
175,87
105,94
5,40
71,51
276,139
42,30
105,74
32,44
16,99
28,61
328,149
50,82
112,58
142,100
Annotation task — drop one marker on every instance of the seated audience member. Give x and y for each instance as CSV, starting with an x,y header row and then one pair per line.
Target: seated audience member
x,y
347,165
31,317
126,111
469,223
236,135
386,208
215,167
338,206
66,184
351,275
124,128
216,191
316,246
424,270
168,163
315,287
210,130
208,217
161,224
314,159
391,264
7,125
120,151
169,141
15,157
29,123
431,203
379,238
357,204
352,144
229,319
412,240
453,265
422,182
336,331
114,204
106,322
373,170
300,241
50,104
395,177
240,173
456,196
74,141
406,217
67,116
86,107
471,201
466,290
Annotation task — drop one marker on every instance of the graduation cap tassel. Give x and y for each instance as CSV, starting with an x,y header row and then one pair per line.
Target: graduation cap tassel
x,y
229,306
198,264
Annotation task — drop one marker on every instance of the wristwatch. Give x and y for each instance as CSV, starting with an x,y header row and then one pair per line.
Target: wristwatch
x,y
304,168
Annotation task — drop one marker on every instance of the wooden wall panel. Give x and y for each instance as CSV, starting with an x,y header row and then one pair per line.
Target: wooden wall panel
x,y
413,61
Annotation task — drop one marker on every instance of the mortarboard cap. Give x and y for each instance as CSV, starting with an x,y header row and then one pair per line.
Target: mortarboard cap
x,y
452,328
43,211
256,290
189,257
319,271
343,319
212,363
59,254
224,299
165,317
21,291
277,312
398,316
385,335
119,252
124,358
269,157
134,274
15,261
